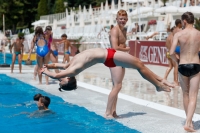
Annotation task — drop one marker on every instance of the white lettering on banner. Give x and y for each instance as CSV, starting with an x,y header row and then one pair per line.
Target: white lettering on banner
x,y
153,54
143,54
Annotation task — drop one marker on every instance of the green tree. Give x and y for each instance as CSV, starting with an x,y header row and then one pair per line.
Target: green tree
x,y
42,8
59,6
197,24
18,13
50,6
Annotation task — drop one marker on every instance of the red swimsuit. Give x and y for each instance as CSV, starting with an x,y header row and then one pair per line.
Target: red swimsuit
x,y
109,60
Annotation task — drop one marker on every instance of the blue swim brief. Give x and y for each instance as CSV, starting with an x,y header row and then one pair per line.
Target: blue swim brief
x,y
55,52
67,52
177,50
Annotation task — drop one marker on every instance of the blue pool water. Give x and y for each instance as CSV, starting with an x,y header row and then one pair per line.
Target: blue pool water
x,y
17,113
9,59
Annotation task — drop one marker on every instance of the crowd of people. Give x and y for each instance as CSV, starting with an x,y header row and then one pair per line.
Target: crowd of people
x,y
183,55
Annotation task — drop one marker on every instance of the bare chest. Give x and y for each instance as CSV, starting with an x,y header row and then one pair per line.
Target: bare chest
x,y
122,37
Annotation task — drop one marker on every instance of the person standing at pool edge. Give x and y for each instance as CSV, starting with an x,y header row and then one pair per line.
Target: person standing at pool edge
x,y
117,40
66,48
42,51
18,52
189,66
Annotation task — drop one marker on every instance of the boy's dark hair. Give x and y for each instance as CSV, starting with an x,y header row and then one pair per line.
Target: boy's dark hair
x,y
71,85
37,97
45,100
64,35
178,21
188,17
21,37
172,29
48,28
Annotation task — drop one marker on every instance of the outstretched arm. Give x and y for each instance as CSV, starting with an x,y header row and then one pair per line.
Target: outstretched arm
x,y
32,47
56,66
54,75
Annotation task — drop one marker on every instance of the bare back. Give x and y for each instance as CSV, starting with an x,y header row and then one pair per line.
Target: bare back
x,y
169,41
66,45
87,58
190,44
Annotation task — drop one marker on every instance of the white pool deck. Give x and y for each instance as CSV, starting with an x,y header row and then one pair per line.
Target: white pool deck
x,y
140,114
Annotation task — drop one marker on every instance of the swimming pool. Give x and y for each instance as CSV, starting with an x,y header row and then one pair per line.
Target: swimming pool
x,y
9,59
17,108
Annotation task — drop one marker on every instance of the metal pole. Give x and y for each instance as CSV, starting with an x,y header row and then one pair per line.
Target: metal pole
x,y
3,25
4,40
138,11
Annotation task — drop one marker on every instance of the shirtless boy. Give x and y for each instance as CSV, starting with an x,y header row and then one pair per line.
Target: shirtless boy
x,y
173,64
117,41
18,52
66,48
188,66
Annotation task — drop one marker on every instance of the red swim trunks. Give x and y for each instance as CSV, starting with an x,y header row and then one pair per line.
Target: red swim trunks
x,y
109,60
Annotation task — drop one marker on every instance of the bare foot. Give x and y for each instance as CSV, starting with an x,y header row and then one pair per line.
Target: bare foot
x,y
189,129
108,116
175,83
115,115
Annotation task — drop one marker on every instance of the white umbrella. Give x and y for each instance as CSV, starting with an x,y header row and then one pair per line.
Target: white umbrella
x,y
79,7
106,6
132,1
92,20
104,23
81,20
90,10
193,9
119,4
142,10
125,6
168,19
84,10
101,7
72,18
54,24
112,6
167,9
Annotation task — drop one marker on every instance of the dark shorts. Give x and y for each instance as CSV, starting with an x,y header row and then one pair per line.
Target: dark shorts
x,y
189,69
